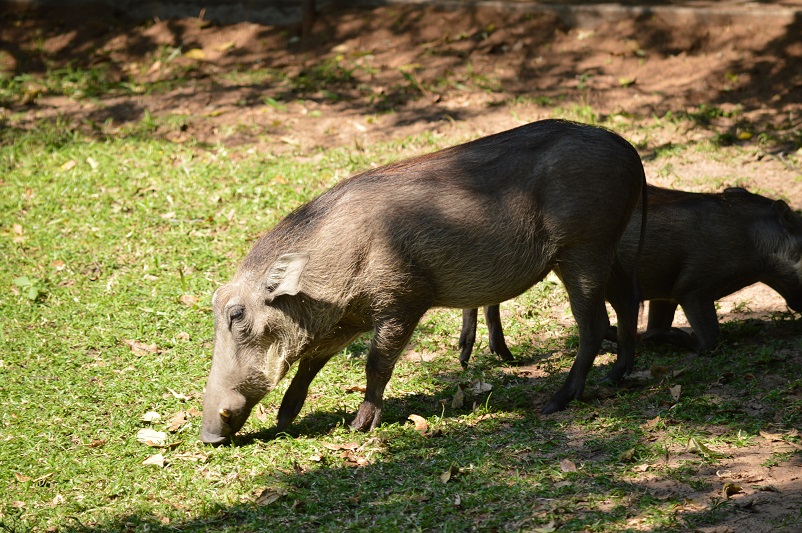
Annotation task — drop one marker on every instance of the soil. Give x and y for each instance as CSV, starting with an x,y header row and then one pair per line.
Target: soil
x,y
375,74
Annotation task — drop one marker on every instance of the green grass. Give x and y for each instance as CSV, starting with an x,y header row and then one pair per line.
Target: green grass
x,y
112,248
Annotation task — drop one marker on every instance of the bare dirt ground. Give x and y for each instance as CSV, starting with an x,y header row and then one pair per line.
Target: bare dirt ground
x,y
376,74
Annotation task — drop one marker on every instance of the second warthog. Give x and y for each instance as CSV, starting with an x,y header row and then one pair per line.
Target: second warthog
x,y
699,247
468,226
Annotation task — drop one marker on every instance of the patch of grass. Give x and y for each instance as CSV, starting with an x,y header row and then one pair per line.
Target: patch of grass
x,y
79,82
112,249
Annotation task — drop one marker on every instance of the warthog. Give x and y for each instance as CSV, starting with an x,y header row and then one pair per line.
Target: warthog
x,y
468,226
699,248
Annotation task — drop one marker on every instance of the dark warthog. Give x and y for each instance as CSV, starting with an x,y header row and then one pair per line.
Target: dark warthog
x,y
472,225
698,249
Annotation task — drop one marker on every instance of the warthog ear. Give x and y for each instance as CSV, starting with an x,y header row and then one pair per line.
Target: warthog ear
x,y
284,276
790,219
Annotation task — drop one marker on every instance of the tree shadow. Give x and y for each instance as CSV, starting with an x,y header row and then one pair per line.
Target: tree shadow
x,y
443,51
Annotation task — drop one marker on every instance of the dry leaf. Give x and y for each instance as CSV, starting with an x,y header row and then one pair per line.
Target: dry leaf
x,y
216,113
177,421
17,229
448,474
767,488
92,163
566,465
730,489
548,528
627,456
650,424
140,348
772,437
260,413
188,299
315,458
356,388
421,426
178,395
150,437
58,264
480,387
640,375
268,496
352,460
675,392
151,416
155,460
21,478
697,447
459,398
69,165
59,499
225,46
43,481
195,53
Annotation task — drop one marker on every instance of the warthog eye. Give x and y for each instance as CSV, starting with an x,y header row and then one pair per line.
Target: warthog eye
x,y
235,313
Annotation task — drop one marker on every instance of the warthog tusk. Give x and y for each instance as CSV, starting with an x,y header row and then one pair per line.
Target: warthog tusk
x,y
225,414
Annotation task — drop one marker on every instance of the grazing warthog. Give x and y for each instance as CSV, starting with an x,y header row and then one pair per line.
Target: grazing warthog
x,y
698,248
468,226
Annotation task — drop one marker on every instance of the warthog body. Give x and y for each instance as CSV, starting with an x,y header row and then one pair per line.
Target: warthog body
x,y
468,226
698,248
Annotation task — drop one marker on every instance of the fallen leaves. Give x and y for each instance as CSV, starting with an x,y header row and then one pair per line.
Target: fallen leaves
x,y
782,437
551,527
352,453
140,348
189,300
421,426
177,421
151,437
191,456
269,495
730,489
480,387
627,455
161,439
155,460
452,471
696,446
675,392
151,416
41,481
567,465
195,53
179,396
